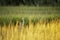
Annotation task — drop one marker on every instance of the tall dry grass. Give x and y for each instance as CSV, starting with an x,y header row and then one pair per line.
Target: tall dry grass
x,y
41,31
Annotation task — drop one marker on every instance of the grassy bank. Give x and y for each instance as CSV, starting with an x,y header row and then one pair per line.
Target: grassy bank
x,y
10,13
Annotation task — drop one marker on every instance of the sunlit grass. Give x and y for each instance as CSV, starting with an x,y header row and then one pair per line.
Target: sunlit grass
x,y
40,23
41,31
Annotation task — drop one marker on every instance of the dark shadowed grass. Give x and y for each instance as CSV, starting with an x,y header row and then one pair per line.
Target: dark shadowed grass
x,y
34,20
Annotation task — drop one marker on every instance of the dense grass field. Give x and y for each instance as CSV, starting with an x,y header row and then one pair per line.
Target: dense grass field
x,y
29,23
41,31
9,13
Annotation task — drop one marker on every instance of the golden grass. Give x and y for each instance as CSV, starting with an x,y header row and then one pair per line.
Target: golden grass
x,y
41,31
